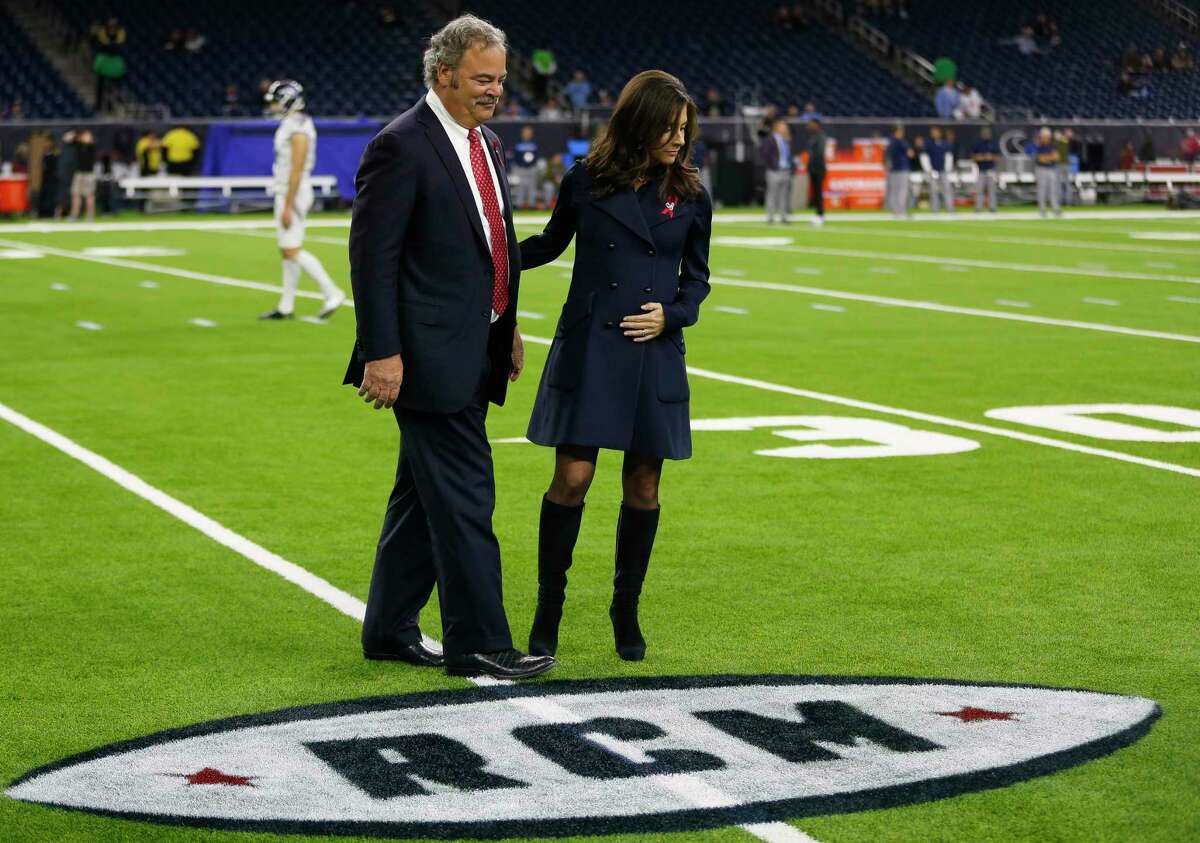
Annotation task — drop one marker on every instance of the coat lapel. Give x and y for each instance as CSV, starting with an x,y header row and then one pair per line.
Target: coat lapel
x,y
623,207
441,144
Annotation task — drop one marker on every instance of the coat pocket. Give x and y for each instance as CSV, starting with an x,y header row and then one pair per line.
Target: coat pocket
x,y
574,311
565,365
672,371
425,313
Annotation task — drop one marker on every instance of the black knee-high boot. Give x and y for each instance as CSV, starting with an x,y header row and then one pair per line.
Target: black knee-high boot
x,y
557,532
635,540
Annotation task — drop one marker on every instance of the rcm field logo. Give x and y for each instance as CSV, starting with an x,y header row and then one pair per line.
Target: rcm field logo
x,y
595,757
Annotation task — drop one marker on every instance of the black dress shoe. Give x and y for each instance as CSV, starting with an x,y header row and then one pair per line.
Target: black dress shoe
x,y
506,664
417,654
275,314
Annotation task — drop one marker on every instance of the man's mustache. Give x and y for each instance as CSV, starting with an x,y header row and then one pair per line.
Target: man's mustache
x,y
487,100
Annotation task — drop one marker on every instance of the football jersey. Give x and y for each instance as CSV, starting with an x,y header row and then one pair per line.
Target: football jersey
x,y
296,123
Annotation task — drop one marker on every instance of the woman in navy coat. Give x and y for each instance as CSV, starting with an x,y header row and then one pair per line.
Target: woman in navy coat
x,y
615,377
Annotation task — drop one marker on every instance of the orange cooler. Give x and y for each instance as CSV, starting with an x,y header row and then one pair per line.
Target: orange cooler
x,y
14,194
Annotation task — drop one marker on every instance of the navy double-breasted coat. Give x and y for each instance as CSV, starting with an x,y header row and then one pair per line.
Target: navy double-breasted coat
x,y
599,387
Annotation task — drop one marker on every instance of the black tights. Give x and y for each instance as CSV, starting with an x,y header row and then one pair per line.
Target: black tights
x,y
575,466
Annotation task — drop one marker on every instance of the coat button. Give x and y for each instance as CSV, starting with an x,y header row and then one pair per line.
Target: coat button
x,y
647,289
608,324
650,252
612,285
485,314
612,245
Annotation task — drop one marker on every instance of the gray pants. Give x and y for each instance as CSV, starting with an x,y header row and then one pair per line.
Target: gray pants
x,y
1064,182
525,193
896,199
779,194
941,192
1047,190
985,185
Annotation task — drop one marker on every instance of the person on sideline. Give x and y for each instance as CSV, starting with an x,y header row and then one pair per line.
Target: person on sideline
x,y
777,156
433,261
295,155
985,153
896,163
816,169
1045,160
615,376
941,165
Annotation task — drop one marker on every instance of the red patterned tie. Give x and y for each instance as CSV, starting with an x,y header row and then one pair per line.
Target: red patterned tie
x,y
491,210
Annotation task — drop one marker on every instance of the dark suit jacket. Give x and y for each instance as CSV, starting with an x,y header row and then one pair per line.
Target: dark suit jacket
x,y
598,384
421,269
769,151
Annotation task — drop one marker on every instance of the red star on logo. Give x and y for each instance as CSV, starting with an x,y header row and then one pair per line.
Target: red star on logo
x,y
967,714
212,776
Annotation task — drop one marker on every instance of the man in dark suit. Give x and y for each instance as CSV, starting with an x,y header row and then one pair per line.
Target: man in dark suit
x,y
434,263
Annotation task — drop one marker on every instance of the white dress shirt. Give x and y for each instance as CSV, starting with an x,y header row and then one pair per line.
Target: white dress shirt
x,y
461,142
462,146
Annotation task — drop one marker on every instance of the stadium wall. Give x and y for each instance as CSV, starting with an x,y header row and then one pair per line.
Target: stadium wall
x,y
244,147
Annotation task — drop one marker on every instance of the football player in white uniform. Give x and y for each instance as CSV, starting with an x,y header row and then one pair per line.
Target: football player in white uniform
x,y
295,154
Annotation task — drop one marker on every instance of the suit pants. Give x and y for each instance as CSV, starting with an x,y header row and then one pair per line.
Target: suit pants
x,y
779,194
1047,189
438,531
941,192
985,190
898,184
1064,183
816,193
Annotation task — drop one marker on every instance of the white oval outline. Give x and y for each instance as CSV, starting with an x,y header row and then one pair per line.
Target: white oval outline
x,y
926,790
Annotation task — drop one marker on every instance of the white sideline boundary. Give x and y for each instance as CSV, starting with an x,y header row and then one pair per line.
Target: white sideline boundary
x,y
347,604
705,373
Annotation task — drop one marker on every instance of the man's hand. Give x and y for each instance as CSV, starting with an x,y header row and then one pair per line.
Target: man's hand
x,y
518,355
647,325
381,381
286,217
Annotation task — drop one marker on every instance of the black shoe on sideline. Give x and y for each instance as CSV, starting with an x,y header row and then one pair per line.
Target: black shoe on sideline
x,y
506,664
417,654
275,314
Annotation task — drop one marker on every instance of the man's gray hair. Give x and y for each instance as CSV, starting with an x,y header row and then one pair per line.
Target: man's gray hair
x,y
450,43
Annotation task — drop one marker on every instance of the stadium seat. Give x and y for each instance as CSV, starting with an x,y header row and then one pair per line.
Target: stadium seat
x,y
25,75
1077,78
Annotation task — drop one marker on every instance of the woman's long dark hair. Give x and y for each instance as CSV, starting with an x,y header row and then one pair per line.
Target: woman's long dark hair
x,y
646,110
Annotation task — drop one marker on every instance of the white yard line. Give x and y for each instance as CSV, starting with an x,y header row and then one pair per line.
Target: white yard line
x,y
833,399
1184,299
890,301
345,603
1048,269
972,237
142,266
688,787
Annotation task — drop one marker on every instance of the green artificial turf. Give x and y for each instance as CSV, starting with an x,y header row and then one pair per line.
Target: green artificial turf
x,y
1015,562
